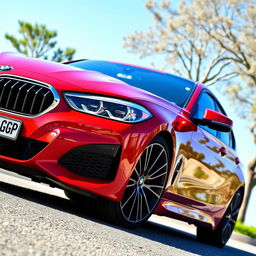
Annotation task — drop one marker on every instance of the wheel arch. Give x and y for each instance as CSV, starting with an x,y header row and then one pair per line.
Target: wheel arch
x,y
240,188
166,135
170,140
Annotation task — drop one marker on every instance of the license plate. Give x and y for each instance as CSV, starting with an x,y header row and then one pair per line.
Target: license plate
x,y
9,128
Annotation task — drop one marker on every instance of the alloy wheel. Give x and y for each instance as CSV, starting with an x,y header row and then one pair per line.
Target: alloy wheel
x,y
146,184
230,218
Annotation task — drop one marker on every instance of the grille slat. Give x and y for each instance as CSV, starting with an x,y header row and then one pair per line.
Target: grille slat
x,y
43,101
23,96
10,93
18,94
2,94
26,98
34,99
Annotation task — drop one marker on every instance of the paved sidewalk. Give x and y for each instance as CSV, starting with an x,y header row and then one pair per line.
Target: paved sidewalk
x,y
244,239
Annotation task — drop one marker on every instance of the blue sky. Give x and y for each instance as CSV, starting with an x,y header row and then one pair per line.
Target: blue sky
x,y
96,29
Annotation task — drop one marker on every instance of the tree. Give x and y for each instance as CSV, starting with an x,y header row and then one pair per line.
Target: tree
x,y
187,49
211,41
39,42
232,25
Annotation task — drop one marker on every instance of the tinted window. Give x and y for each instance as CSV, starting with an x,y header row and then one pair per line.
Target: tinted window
x,y
226,137
205,102
172,88
232,140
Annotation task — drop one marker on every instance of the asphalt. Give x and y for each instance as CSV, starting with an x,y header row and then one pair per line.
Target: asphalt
x,y
38,220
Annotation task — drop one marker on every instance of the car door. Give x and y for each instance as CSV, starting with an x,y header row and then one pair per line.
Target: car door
x,y
233,168
202,176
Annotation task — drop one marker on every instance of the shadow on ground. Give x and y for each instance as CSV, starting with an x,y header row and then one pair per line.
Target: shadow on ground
x,y
155,232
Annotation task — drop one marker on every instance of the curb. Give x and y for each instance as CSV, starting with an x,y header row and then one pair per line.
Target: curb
x,y
243,238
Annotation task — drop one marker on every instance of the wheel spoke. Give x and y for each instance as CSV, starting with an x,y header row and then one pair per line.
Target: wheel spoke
x,y
152,191
140,171
122,206
235,206
138,207
136,171
146,200
130,213
153,186
236,203
227,217
155,177
132,184
227,230
233,221
231,208
159,169
141,205
235,212
155,161
148,155
133,180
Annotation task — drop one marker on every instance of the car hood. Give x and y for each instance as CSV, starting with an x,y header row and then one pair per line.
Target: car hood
x,y
68,74
68,78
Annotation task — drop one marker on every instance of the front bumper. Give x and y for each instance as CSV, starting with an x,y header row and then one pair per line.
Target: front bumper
x,y
58,138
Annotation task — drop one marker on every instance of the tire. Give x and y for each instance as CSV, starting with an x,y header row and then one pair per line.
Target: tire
x,y
145,187
220,236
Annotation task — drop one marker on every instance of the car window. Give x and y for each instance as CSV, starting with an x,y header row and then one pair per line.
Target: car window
x,y
206,101
226,137
232,140
170,87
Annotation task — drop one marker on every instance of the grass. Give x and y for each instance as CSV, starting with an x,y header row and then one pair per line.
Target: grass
x,y
245,230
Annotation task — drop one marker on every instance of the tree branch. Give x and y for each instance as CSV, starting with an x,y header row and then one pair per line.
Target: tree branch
x,y
238,59
224,77
252,165
219,72
240,98
253,131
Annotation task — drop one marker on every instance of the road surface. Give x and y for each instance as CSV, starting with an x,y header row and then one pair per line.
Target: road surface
x,y
38,220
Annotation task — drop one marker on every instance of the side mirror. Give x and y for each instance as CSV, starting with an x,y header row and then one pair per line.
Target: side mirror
x,y
215,120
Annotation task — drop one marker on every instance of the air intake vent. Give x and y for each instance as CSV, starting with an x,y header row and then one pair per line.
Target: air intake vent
x,y
93,161
26,97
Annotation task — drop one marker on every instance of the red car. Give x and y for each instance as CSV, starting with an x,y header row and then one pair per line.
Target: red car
x,y
134,140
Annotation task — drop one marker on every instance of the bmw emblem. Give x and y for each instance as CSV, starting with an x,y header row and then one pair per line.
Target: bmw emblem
x,y
5,68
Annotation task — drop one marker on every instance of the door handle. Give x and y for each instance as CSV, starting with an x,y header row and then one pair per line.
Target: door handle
x,y
223,151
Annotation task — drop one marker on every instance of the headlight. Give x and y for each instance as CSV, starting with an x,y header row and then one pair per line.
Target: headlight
x,y
112,108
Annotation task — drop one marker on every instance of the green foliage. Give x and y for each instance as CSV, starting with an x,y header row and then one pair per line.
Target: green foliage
x,y
63,55
245,230
39,42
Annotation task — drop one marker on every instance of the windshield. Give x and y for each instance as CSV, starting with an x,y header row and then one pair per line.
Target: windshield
x,y
172,88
